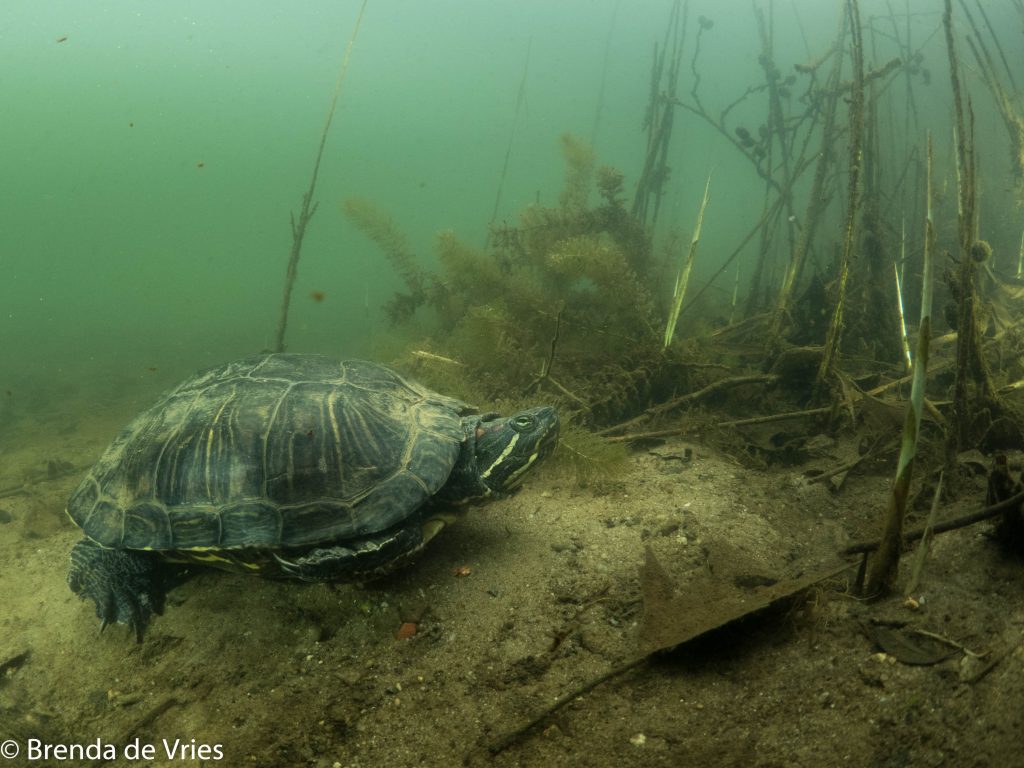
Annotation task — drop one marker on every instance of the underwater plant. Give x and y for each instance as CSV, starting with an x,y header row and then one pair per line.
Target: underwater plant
x,y
683,278
563,302
379,227
883,567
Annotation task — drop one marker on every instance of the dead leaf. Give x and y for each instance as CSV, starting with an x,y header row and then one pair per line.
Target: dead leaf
x,y
705,603
916,651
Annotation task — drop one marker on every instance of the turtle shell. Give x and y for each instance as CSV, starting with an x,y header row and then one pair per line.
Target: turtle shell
x,y
275,451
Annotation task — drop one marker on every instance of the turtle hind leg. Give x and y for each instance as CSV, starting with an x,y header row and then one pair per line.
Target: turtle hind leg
x,y
128,587
356,559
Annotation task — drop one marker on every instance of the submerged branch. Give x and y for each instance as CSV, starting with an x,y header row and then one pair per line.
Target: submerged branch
x,y
947,525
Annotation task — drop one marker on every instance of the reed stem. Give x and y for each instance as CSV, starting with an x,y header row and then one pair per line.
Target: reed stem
x,y
834,333
883,567
683,278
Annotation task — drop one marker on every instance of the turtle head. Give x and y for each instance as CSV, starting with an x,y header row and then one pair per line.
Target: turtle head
x,y
507,448
498,452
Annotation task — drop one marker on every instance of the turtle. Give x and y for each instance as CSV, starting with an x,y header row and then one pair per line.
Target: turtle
x,y
287,465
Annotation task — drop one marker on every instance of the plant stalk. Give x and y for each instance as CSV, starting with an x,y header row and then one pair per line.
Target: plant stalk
x,y
883,567
835,329
308,206
683,278
904,340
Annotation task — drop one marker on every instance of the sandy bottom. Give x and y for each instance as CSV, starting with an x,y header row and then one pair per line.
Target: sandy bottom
x,y
522,602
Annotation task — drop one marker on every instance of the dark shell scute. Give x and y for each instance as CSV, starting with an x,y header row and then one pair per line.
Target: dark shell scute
x,y
314,523
146,526
196,528
252,523
391,495
425,461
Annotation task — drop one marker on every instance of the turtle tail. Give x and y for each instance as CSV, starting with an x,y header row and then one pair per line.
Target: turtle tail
x,y
127,586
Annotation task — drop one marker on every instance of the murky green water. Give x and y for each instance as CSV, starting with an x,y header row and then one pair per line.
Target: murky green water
x,y
151,154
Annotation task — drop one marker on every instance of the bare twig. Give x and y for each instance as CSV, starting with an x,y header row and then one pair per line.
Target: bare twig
x,y
926,541
949,525
998,657
520,98
715,386
951,643
515,735
545,371
147,718
856,164
49,477
775,417
308,206
878,447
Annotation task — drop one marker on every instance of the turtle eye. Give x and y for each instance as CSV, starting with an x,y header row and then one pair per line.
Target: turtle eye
x,y
522,423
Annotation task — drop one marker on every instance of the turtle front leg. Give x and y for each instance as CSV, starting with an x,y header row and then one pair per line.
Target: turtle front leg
x,y
127,586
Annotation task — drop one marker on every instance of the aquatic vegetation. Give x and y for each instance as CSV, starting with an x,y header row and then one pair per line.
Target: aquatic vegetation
x,y
579,168
609,185
885,563
379,227
563,302
592,460
683,278
827,372
981,414
568,301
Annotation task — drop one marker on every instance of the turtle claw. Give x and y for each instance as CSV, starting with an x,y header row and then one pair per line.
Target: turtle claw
x,y
313,566
355,560
288,567
124,608
127,587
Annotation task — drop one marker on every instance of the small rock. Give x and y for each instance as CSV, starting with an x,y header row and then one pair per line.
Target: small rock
x,y
572,545
970,668
58,467
668,528
350,676
5,516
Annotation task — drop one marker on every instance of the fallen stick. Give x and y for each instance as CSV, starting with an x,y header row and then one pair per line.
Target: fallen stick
x,y
774,417
715,386
949,525
14,490
739,606
147,718
515,735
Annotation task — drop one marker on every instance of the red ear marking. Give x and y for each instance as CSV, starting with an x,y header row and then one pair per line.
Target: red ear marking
x,y
480,432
